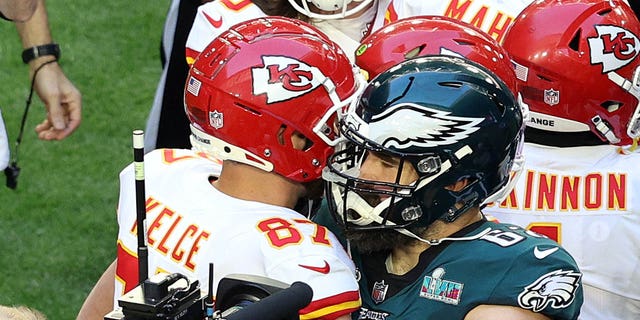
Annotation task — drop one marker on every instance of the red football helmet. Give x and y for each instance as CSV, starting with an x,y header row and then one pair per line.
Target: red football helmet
x,y
432,35
261,82
578,68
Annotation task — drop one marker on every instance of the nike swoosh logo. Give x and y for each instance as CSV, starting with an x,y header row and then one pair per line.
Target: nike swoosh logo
x,y
323,270
215,23
541,254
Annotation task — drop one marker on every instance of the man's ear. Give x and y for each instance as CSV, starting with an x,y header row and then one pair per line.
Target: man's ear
x,y
297,139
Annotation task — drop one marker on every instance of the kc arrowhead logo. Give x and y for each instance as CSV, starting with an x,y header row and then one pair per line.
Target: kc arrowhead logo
x,y
614,47
283,78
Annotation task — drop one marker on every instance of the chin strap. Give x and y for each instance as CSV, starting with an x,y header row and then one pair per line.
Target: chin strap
x,y
631,148
435,242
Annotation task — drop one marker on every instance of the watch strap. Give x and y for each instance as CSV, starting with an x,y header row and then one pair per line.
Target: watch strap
x,y
50,49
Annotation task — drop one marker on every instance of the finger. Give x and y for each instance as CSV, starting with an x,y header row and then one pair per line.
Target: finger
x,y
72,121
43,126
47,132
56,112
74,112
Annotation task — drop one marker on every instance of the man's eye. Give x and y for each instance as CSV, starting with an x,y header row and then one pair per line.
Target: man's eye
x,y
388,164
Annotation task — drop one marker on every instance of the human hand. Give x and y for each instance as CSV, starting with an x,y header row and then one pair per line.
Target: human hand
x,y
62,100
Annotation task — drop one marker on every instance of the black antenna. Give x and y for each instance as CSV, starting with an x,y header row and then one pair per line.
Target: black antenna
x,y
208,302
141,211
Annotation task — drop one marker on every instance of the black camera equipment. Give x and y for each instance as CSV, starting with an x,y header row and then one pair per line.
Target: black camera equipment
x,y
163,296
282,305
244,297
239,297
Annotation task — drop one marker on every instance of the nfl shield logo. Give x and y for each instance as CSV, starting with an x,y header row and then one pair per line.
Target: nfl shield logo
x,y
551,97
216,119
379,291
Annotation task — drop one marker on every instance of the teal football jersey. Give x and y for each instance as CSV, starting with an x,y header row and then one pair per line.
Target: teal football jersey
x,y
506,266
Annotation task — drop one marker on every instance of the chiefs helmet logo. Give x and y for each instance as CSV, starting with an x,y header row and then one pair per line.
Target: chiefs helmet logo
x,y
283,78
614,47
556,288
406,125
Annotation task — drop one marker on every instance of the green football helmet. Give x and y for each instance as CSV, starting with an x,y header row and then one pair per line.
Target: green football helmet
x,y
451,119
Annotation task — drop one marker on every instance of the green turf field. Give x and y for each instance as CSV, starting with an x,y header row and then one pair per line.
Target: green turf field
x,y
58,229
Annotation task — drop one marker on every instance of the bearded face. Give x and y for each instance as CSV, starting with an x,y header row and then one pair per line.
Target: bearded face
x,y
378,240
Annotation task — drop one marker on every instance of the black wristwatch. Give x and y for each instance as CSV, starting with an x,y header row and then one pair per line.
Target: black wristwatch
x,y
51,49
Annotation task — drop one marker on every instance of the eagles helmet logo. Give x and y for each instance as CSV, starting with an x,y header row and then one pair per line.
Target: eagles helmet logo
x,y
284,78
556,288
614,47
406,125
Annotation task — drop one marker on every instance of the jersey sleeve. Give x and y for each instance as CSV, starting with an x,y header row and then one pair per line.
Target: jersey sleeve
x,y
543,279
4,145
204,29
323,217
319,260
335,290
212,19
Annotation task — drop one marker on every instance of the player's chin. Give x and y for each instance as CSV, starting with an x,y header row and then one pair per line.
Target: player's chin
x,y
315,189
371,241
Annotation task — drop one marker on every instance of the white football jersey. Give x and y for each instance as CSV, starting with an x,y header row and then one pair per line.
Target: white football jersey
x,y
191,224
217,16
348,32
585,198
4,145
492,16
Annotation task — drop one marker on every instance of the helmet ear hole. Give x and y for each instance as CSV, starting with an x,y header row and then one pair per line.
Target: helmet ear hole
x,y
452,84
247,108
544,78
280,136
611,106
463,42
604,12
574,44
300,141
459,185
308,144
415,52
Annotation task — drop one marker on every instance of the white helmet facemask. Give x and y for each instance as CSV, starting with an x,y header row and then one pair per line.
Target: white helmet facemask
x,y
333,9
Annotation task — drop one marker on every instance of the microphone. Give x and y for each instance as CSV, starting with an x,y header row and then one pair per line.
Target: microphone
x,y
281,305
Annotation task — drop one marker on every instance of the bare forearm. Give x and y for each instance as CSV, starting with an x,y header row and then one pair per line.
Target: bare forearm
x,y
99,302
62,99
35,31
